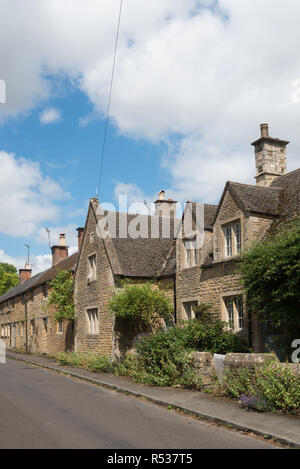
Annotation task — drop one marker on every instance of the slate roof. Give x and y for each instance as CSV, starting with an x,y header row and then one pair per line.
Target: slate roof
x,y
41,278
256,199
290,193
146,256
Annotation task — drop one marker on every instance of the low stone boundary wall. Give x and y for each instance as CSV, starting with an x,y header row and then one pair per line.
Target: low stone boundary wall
x,y
247,360
205,365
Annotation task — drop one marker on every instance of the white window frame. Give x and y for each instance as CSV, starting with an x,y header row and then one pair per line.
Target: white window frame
x,y
232,233
228,241
235,312
92,316
92,268
238,237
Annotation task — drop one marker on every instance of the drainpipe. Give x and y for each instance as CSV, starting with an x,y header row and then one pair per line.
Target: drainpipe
x,y
249,329
175,300
26,325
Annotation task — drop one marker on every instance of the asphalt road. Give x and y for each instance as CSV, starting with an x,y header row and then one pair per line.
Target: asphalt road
x,y
41,409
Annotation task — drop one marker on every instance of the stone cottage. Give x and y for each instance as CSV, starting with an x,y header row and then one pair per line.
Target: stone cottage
x,y
120,247
26,323
208,274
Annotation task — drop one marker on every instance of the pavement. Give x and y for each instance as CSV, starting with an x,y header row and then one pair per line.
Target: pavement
x,y
283,428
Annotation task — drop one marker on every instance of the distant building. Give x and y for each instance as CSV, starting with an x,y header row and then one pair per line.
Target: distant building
x,y
26,323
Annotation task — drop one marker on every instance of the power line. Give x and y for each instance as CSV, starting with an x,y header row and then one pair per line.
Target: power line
x,y
109,100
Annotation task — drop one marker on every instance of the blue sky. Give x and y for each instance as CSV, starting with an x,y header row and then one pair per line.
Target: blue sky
x,y
193,81
69,153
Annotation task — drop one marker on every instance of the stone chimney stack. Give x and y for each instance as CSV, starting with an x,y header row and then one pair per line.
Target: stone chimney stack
x,y
80,237
25,274
165,208
270,157
60,252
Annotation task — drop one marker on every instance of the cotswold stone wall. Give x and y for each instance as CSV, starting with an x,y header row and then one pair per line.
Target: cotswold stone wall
x,y
205,365
43,336
94,294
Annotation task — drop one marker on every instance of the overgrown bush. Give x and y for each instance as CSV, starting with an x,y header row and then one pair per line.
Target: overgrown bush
x,y
141,306
271,386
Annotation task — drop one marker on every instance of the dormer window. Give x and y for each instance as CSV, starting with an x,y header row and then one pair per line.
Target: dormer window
x,y
233,239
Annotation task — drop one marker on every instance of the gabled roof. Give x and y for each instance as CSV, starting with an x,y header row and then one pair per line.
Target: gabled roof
x,y
256,199
40,278
146,256
209,212
253,199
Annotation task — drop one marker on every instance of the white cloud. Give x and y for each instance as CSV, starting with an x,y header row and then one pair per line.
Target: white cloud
x,y
131,198
50,116
27,198
41,235
38,263
208,75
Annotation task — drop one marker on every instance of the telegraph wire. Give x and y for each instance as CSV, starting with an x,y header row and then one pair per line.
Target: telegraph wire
x,y
109,101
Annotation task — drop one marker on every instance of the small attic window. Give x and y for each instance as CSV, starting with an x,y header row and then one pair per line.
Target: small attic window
x,y
92,238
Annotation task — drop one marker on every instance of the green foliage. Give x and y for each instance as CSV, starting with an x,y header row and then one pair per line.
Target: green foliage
x,y
165,361
71,359
239,382
207,336
62,296
271,276
8,277
272,384
96,363
141,306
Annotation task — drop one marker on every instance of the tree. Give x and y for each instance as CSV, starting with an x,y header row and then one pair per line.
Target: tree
x,y
8,277
62,296
141,305
271,276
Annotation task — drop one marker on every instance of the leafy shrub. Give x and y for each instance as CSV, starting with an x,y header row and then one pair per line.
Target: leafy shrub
x,y
165,361
141,306
62,287
99,364
237,383
271,386
279,386
71,359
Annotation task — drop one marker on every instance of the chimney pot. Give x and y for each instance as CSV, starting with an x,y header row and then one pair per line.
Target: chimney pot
x,y
60,251
62,239
264,128
161,195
